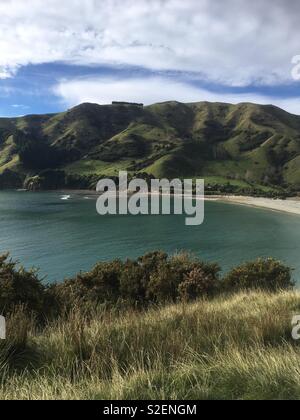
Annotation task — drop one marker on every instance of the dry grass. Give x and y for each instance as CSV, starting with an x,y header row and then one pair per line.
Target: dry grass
x,y
236,347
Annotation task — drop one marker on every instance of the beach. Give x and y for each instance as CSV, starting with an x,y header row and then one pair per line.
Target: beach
x,y
291,205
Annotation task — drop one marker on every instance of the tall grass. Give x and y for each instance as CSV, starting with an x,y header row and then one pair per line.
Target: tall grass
x,y
234,347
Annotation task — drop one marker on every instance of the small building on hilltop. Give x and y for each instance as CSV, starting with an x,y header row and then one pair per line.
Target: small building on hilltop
x,y
127,104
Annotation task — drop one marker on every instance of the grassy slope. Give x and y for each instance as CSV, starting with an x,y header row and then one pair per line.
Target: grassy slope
x,y
245,143
238,347
90,167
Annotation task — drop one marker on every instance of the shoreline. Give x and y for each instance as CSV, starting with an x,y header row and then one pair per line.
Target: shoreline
x,y
290,205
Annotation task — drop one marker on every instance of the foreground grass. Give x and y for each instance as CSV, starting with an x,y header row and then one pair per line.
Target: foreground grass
x,y
236,347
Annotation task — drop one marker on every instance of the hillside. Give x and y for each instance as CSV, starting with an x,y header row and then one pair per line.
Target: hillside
x,y
245,145
158,327
236,347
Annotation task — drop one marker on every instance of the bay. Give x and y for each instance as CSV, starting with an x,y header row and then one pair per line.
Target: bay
x,y
62,234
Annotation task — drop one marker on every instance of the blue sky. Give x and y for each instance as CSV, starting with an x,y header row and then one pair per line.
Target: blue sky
x,y
55,57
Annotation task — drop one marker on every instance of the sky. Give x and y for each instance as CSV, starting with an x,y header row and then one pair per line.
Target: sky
x,y
59,53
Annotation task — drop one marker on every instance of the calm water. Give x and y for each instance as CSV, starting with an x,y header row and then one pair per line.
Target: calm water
x,y
63,237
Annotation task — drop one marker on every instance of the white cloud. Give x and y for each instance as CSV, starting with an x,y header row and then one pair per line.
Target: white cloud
x,y
6,72
236,42
154,89
18,106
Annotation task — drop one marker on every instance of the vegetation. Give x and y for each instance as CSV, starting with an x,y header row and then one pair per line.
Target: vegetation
x,y
20,287
261,274
232,347
153,279
245,148
156,328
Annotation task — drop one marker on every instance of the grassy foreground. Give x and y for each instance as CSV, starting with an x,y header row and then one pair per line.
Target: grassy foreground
x,y
234,347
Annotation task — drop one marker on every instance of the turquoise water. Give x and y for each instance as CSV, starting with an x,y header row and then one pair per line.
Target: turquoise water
x,y
63,237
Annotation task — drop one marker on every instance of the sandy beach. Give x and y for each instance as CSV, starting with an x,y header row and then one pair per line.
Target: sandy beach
x,y
291,205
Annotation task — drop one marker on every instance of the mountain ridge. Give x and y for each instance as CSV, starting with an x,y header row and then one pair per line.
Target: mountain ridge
x,y
239,145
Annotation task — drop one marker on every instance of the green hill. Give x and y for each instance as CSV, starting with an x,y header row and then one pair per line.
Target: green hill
x,y
244,145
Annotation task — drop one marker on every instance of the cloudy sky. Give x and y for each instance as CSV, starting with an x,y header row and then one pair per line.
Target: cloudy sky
x,y
57,53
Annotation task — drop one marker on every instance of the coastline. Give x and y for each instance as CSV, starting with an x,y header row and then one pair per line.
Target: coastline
x,y
290,205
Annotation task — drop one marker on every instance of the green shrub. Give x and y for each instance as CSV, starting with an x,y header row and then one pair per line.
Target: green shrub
x,y
163,284
21,287
266,274
197,284
133,283
100,285
167,283
152,260
154,278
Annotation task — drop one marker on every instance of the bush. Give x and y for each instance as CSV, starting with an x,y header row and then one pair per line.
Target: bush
x,y
133,283
266,274
21,287
163,284
171,278
151,261
197,284
100,285
153,278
